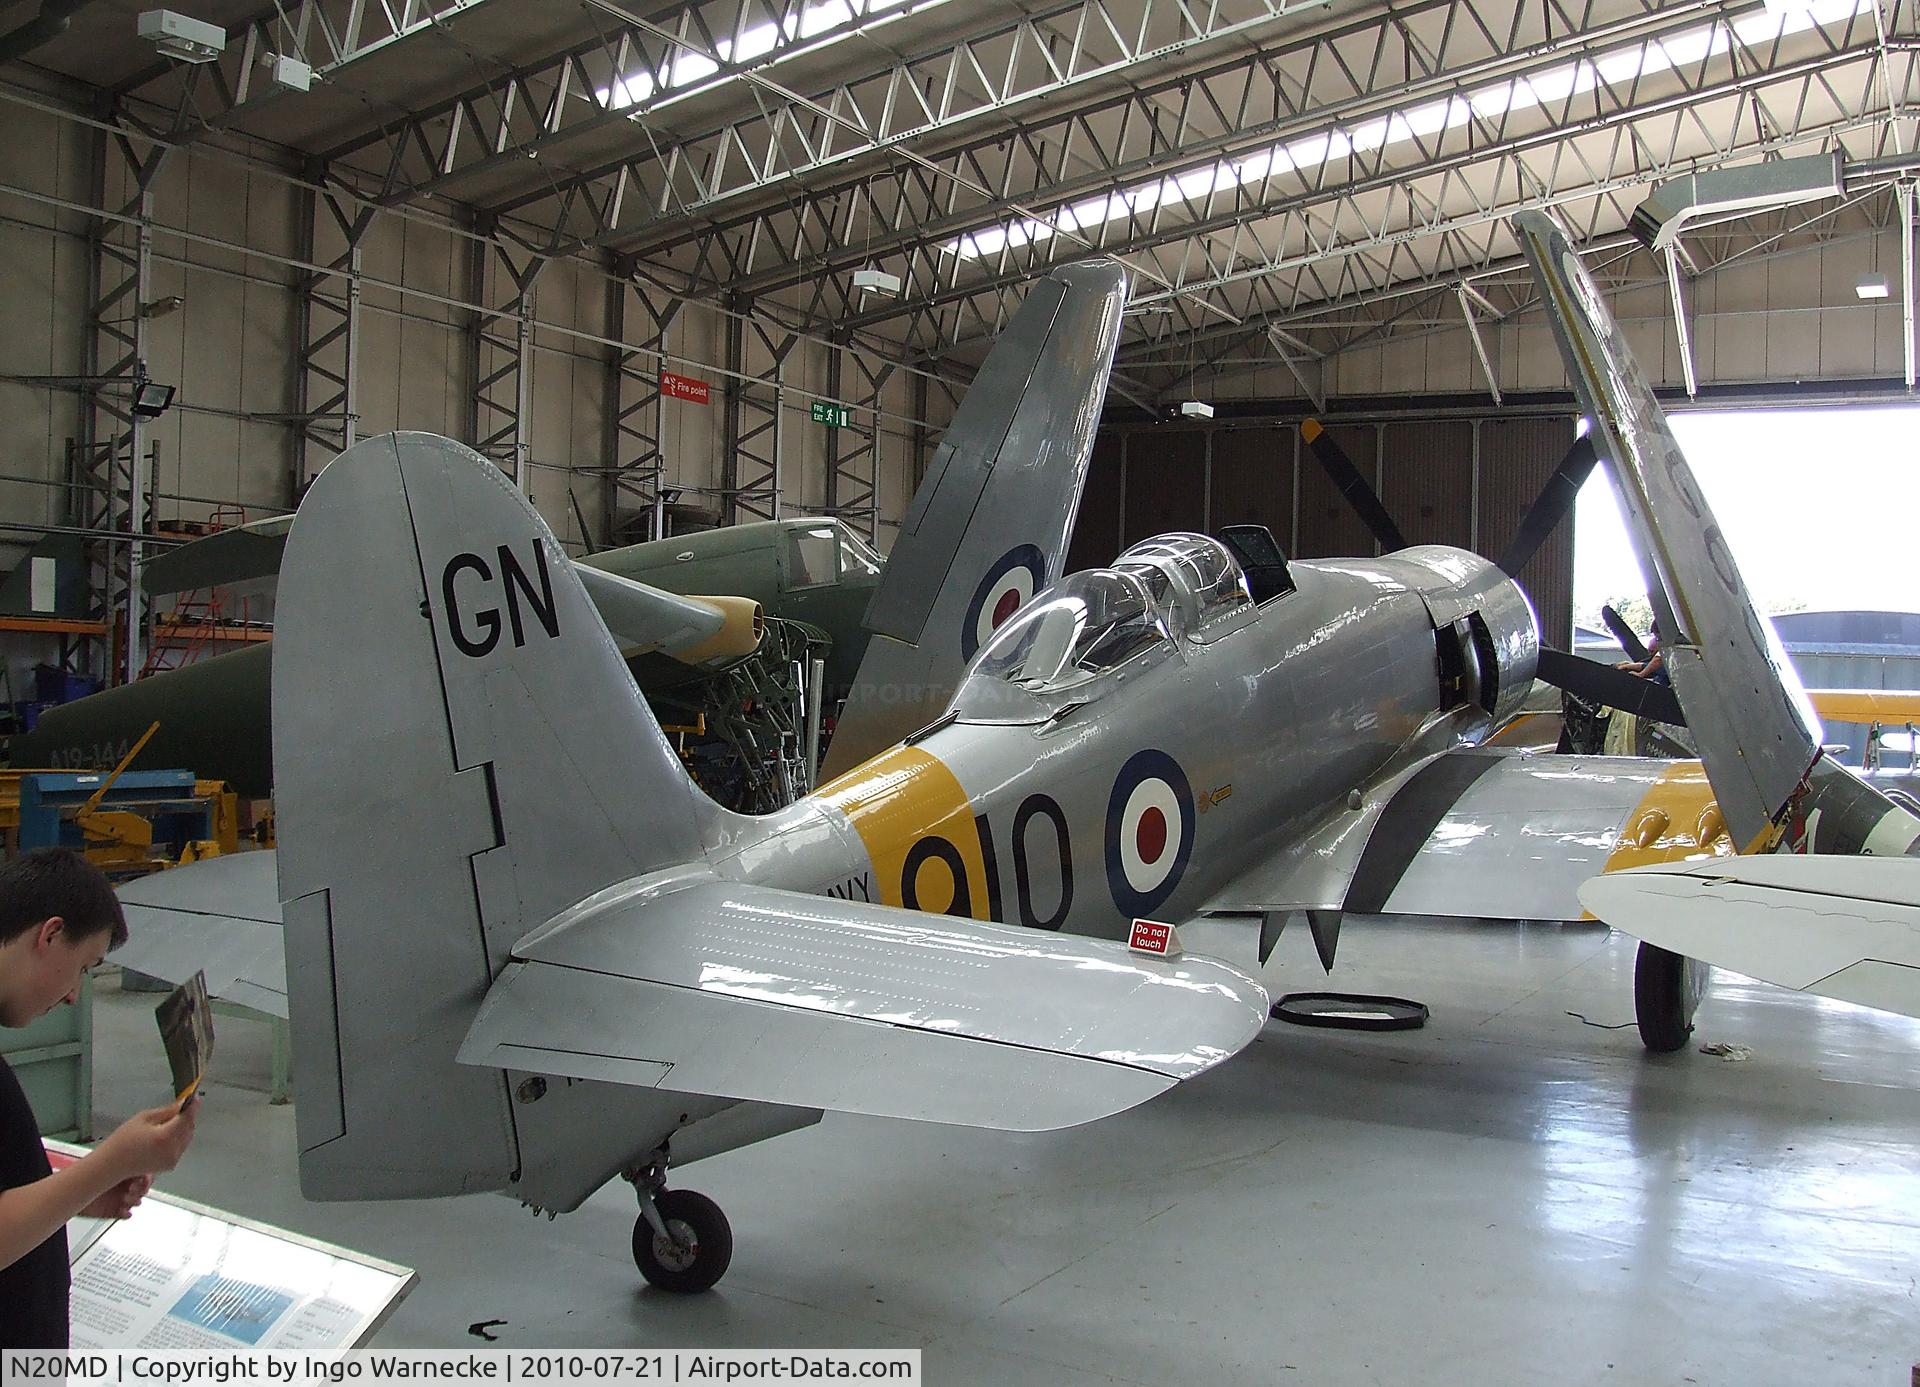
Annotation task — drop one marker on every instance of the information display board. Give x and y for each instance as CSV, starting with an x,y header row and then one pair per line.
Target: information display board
x,y
182,1277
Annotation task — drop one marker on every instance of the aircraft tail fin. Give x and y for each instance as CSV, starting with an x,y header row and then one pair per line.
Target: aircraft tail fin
x,y
990,523
511,769
1757,734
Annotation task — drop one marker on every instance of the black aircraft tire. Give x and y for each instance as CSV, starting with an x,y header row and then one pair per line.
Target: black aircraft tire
x,y
697,1219
1667,988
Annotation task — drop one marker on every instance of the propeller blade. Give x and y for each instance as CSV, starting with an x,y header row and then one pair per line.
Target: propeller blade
x,y
1610,687
1629,642
1353,487
1550,506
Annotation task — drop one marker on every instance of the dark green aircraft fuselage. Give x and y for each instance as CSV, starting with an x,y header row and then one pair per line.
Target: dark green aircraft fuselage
x,y
214,717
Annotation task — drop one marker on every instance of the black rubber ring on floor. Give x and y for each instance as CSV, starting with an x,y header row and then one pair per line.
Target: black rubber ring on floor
x,y
1392,1013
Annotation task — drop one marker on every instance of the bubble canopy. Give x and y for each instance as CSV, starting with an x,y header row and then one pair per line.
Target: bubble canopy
x,y
1064,645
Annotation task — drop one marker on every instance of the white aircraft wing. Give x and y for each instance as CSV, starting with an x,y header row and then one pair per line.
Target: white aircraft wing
x,y
687,982
220,917
1841,927
1489,834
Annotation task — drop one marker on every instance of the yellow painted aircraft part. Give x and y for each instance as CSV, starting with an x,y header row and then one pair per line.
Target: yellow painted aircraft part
x,y
907,799
1866,705
1677,820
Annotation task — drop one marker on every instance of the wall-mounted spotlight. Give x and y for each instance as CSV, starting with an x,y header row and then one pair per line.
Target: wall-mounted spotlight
x,y
159,308
151,399
1871,287
181,36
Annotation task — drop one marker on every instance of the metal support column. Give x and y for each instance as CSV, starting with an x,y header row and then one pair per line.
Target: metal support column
x,y
114,464
922,433
853,452
327,386
1680,324
1479,344
1905,191
636,412
750,470
500,350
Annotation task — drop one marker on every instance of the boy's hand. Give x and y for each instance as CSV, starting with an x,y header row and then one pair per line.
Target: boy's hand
x,y
121,1200
150,1142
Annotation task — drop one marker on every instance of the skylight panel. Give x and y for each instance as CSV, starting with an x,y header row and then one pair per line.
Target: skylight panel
x,y
1554,86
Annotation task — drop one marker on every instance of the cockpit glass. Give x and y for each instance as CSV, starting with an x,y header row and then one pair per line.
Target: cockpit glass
x,y
857,557
811,555
1057,647
1196,575
1082,627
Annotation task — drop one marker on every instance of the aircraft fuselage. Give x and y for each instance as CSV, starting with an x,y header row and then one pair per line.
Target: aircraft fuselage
x,y
1184,764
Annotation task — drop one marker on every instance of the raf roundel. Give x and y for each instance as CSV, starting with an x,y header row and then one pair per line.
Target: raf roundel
x,y
1014,578
1150,823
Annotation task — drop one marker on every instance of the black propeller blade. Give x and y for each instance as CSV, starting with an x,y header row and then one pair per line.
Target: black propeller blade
x,y
1550,506
1595,682
1334,461
1629,642
1610,687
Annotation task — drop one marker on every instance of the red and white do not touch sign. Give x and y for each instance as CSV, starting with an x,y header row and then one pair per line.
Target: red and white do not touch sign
x,y
1153,937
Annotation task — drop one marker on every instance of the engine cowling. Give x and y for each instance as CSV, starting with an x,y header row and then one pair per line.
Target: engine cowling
x,y
1486,635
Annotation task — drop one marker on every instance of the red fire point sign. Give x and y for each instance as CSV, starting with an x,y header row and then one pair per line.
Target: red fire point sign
x,y
1152,937
683,388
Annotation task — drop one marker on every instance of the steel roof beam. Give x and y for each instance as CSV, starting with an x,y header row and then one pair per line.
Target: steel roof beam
x,y
329,36
1331,220
1281,93
625,73
631,201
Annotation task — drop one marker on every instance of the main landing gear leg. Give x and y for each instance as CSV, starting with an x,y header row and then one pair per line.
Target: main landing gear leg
x,y
681,1241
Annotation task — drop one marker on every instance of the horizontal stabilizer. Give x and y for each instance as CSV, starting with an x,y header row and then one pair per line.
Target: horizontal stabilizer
x,y
1841,927
220,917
238,555
685,982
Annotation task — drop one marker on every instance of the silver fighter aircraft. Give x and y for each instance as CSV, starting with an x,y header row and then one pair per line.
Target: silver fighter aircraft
x,y
1201,734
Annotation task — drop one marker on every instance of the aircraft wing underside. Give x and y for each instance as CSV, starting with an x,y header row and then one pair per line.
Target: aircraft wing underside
x,y
1490,834
220,916
1842,927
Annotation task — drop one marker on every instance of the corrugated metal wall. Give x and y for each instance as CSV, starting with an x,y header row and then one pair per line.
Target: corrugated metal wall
x,y
1465,482
1516,458
1253,478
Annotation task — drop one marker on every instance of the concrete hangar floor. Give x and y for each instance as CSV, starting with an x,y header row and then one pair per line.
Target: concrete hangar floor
x,y
1507,1196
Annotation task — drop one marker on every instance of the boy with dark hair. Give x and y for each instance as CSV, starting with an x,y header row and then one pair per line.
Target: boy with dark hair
x,y
58,918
